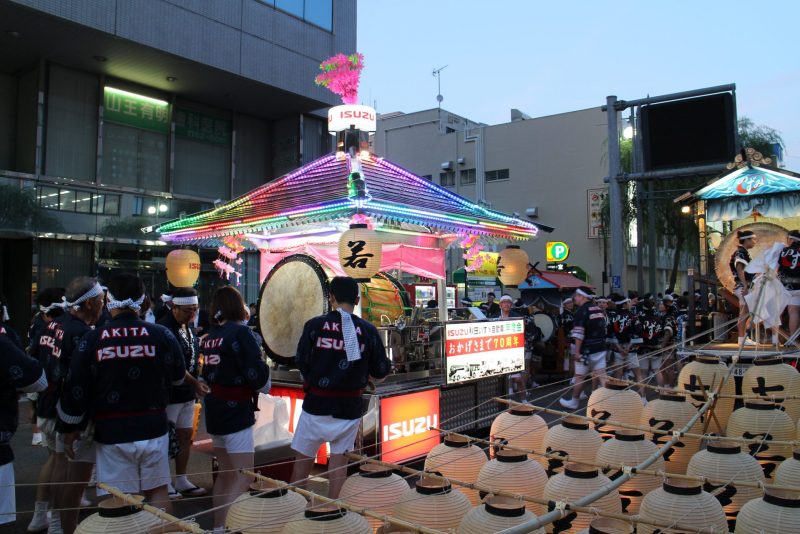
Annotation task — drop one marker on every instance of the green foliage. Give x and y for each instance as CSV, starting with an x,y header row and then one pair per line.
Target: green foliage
x,y
19,211
758,136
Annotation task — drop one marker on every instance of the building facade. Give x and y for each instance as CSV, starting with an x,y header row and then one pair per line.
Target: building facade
x,y
115,116
550,169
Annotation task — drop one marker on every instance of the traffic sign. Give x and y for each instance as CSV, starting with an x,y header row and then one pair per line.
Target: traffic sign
x,y
557,251
616,282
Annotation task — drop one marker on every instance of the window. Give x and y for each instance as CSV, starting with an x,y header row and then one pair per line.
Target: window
x,y
55,198
467,176
500,174
428,177
202,153
316,12
447,179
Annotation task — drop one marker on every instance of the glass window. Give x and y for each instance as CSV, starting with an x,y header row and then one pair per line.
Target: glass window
x,y
447,179
134,157
500,174
293,7
66,200
48,197
467,176
83,201
110,205
319,13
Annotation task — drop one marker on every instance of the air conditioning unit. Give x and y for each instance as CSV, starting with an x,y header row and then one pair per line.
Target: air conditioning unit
x,y
461,161
447,165
532,212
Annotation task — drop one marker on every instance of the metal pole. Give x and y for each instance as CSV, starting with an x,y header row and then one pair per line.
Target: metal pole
x,y
615,198
639,240
652,243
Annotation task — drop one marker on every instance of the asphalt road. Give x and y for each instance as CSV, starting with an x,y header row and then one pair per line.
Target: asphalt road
x,y
28,460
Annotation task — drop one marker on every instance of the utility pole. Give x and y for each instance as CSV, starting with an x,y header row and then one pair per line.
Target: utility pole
x,y
618,266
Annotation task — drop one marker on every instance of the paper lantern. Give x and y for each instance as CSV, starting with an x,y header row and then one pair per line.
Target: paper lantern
x,y
764,420
375,488
519,427
669,413
360,252
684,502
512,266
572,437
433,504
327,519
771,377
117,516
606,525
264,509
788,473
777,512
495,515
457,458
723,460
183,267
709,371
578,481
513,471
615,402
629,448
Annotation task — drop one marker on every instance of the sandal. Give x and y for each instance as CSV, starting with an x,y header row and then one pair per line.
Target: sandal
x,y
194,491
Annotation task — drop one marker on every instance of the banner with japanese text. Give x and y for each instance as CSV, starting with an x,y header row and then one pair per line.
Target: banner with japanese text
x,y
475,350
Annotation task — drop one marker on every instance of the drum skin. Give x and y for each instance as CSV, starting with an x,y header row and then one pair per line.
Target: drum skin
x,y
295,290
546,324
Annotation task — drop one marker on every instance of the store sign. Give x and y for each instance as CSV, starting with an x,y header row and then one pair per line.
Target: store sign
x,y
487,265
476,350
130,109
201,127
359,117
595,198
557,251
405,425
294,400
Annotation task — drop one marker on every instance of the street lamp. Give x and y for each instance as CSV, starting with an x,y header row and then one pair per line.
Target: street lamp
x,y
627,132
686,210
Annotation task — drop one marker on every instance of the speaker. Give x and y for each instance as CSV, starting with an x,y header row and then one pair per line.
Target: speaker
x,y
684,133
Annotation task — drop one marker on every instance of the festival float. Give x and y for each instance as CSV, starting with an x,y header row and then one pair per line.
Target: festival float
x,y
355,213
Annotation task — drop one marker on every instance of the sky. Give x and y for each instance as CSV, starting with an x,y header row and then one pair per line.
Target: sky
x,y
548,57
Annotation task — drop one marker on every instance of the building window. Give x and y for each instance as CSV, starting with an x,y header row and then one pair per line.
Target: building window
x,y
428,177
56,198
447,179
316,12
500,174
467,176
202,154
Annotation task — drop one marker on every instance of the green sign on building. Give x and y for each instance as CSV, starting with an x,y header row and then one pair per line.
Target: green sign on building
x,y
130,109
201,127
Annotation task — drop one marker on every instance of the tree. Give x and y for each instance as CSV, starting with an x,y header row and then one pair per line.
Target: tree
x,y
19,211
762,138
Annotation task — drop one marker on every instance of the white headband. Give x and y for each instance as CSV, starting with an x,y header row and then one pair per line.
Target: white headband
x,y
184,301
793,238
567,301
96,290
166,298
6,318
583,293
621,302
114,304
53,306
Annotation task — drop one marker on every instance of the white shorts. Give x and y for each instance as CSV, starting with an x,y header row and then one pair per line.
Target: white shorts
x,y
181,414
631,361
8,502
85,449
794,298
47,427
238,442
314,430
738,292
132,467
597,362
651,363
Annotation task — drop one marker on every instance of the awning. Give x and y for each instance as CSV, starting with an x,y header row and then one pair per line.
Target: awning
x,y
748,182
553,280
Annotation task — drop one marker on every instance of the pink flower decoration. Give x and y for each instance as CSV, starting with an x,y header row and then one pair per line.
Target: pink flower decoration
x,y
341,75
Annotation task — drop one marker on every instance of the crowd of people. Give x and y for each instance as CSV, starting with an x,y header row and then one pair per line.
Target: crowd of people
x,y
117,393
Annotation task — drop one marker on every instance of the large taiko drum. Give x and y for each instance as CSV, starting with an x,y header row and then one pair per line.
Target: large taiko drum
x,y
546,324
296,289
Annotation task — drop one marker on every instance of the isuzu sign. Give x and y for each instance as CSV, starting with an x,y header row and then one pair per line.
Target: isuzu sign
x,y
405,425
359,117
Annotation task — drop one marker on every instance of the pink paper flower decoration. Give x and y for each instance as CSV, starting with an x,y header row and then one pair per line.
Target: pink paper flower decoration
x,y
341,74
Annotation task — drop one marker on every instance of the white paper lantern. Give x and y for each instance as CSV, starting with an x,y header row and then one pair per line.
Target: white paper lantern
x,y
512,266
360,252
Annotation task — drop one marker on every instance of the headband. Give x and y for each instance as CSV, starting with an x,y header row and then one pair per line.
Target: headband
x,y
53,306
184,301
621,302
583,293
746,235
506,297
567,301
96,290
114,304
6,318
794,237
166,298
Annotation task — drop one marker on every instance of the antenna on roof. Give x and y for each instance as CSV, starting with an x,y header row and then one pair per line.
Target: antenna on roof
x,y
437,73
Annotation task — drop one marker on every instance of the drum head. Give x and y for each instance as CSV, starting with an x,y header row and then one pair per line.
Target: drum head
x,y
546,324
383,297
295,290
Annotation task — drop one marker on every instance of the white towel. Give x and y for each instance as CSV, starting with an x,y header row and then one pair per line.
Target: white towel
x,y
350,336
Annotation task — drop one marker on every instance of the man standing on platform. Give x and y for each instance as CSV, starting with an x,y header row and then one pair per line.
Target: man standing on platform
x,y
337,354
789,271
590,350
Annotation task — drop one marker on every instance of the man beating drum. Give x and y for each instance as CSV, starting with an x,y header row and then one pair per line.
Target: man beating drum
x,y
337,354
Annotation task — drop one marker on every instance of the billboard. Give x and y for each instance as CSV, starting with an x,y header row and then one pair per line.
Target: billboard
x,y
475,350
405,423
